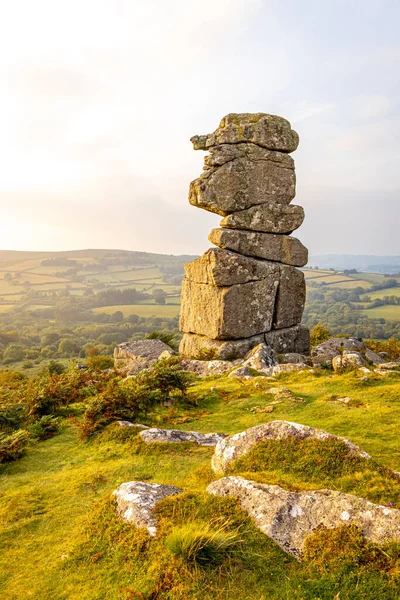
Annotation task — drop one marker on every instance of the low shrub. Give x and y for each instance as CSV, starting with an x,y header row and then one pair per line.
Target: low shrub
x,y
12,446
345,548
199,544
131,398
44,428
100,363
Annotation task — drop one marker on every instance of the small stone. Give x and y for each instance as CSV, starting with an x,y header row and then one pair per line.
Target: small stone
x,y
348,361
269,131
240,372
280,248
129,424
176,436
268,217
207,368
290,517
137,499
260,358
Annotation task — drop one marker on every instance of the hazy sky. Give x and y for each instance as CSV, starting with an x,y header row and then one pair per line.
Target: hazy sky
x,y
98,100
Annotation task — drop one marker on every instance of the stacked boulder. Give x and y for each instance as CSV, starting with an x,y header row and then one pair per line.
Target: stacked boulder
x,y
248,290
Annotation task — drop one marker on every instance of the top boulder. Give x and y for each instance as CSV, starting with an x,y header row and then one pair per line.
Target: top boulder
x,y
268,131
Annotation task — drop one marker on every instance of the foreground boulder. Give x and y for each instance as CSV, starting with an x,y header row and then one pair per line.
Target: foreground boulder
x,y
137,499
323,354
207,368
290,517
233,447
141,354
176,436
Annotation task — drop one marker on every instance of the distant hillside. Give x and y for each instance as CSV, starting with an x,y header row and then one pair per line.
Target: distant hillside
x,y
362,262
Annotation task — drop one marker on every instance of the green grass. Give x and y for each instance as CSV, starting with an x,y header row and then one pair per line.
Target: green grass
x,y
389,312
142,310
394,291
60,538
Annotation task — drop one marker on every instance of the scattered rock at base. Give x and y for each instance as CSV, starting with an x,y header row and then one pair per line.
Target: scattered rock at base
x,y
323,354
260,358
293,358
270,246
129,424
290,517
141,354
233,447
348,361
176,436
137,499
207,368
388,366
240,372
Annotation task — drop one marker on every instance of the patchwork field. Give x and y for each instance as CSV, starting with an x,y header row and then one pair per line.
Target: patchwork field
x,y
389,313
142,310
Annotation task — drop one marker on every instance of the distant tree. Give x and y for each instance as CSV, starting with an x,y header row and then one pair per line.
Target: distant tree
x,y
319,334
159,296
116,317
14,353
92,352
67,347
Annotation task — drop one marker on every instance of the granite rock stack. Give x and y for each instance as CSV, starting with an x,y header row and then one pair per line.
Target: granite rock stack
x,y
247,290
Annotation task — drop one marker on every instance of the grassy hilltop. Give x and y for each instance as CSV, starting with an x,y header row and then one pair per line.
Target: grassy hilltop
x,y
60,537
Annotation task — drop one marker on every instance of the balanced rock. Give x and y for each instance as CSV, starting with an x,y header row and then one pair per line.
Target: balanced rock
x,y
221,268
290,517
269,131
176,436
243,182
233,447
247,291
237,311
268,218
281,248
137,499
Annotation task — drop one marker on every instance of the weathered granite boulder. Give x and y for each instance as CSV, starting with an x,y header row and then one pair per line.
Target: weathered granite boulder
x,y
281,248
323,354
290,517
141,354
293,358
269,131
240,372
226,153
233,447
286,368
260,358
348,361
268,217
176,436
290,298
289,339
388,366
243,183
238,311
124,424
137,499
223,267
207,368
293,339
195,346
